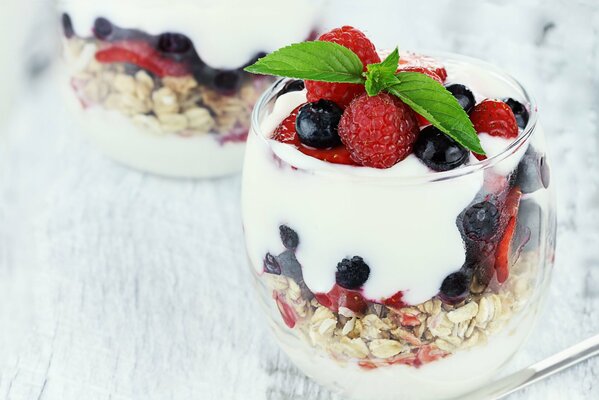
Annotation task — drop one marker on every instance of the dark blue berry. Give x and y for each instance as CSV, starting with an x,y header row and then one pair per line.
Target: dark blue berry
x,y
292,86
463,95
438,151
227,81
67,26
352,273
289,237
174,43
481,221
317,124
520,111
529,223
455,287
533,172
102,28
271,265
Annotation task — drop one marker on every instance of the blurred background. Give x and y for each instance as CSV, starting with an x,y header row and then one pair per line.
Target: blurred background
x,y
87,309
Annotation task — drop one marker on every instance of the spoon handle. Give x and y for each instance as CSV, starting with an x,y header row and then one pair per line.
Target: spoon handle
x,y
564,359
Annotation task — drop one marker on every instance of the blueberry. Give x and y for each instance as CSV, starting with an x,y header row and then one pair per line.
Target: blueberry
x,y
292,86
352,273
438,151
174,43
227,81
520,111
289,237
67,26
481,221
102,28
530,217
317,124
533,172
455,287
463,95
271,265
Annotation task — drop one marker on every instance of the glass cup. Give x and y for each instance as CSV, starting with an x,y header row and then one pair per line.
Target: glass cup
x,y
159,85
456,307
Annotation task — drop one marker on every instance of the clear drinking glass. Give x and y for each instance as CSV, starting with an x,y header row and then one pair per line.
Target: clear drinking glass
x,y
159,85
303,216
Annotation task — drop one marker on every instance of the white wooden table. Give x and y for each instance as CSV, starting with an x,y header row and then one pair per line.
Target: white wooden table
x,y
120,285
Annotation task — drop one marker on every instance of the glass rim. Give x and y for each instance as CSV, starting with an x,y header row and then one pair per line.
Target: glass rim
x,y
469,169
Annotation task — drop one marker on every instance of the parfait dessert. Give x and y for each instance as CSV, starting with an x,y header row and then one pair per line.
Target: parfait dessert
x,y
160,84
398,216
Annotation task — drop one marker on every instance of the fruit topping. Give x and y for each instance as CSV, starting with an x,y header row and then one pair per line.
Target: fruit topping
x,y
463,95
503,255
519,110
289,237
102,28
344,93
143,55
412,60
533,172
286,133
294,85
174,43
378,131
421,70
455,287
352,273
481,221
317,124
271,265
495,118
396,301
438,151
287,312
67,26
341,297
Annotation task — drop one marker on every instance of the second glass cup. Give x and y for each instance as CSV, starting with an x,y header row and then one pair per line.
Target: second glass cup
x,y
440,312
159,85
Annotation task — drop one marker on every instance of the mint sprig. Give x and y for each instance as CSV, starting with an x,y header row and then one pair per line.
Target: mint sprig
x,y
330,62
316,61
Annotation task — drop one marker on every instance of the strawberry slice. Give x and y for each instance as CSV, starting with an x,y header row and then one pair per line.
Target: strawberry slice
x,y
286,133
288,314
503,253
143,55
341,297
396,301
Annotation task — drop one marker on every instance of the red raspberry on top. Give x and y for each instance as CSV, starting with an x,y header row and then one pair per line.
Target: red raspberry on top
x,y
495,118
428,72
378,131
344,93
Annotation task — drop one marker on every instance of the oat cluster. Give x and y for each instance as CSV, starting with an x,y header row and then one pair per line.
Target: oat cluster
x,y
170,105
413,335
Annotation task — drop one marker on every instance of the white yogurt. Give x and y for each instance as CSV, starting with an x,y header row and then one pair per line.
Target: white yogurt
x,y
226,33
405,232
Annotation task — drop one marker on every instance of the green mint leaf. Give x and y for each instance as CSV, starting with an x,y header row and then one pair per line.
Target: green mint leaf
x,y
391,62
316,61
381,75
435,103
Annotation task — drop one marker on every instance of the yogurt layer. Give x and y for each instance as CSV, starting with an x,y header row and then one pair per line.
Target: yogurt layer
x,y
227,34
405,231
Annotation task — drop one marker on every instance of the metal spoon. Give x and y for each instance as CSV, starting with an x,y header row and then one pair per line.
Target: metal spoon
x,y
564,359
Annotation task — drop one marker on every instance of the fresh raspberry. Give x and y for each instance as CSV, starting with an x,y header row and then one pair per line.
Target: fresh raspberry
x,y
378,131
344,93
286,133
495,118
143,55
340,297
412,60
428,72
